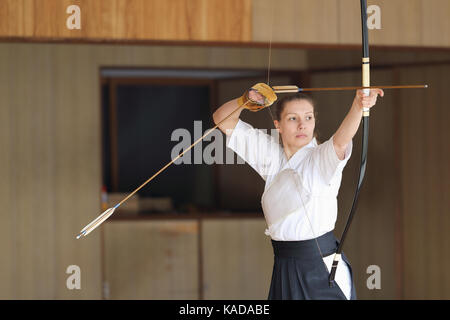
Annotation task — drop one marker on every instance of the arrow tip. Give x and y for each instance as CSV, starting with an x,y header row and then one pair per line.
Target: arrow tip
x,y
81,234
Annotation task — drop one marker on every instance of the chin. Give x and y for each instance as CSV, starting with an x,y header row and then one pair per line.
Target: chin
x,y
301,142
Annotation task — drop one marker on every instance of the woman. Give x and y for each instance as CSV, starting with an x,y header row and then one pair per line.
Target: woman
x,y
302,182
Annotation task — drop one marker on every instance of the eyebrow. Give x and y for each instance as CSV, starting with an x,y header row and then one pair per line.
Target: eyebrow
x,y
297,113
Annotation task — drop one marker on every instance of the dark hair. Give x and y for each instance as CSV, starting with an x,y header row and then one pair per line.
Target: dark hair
x,y
281,104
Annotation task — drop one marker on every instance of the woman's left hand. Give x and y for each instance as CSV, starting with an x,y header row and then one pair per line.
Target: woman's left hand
x,y
362,101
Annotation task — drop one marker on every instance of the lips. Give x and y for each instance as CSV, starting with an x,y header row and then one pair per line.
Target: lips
x,y
301,136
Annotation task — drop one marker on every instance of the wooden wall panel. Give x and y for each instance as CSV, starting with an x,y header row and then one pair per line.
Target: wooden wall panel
x,y
204,20
7,197
76,125
34,143
435,23
401,22
152,259
426,184
30,239
350,22
371,238
238,259
323,59
295,21
52,159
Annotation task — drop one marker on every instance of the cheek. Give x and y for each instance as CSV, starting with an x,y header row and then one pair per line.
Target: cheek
x,y
290,127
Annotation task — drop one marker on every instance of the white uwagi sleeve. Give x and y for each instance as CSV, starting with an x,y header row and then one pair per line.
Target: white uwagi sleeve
x,y
326,161
259,149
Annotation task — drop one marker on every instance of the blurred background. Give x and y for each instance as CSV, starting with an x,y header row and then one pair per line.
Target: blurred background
x,y
87,115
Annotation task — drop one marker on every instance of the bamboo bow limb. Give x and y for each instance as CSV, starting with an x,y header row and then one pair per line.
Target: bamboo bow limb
x,y
106,214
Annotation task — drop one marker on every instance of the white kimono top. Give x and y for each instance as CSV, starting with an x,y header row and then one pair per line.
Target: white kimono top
x,y
310,180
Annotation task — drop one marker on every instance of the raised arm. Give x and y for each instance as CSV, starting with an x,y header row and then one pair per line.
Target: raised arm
x,y
254,99
223,112
349,126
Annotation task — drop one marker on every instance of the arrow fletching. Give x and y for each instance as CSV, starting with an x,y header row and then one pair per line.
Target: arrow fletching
x,y
96,222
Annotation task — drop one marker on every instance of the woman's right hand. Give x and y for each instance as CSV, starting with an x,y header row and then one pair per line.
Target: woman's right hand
x,y
255,99
258,97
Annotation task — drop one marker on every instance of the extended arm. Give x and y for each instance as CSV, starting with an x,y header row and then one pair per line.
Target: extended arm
x,y
350,124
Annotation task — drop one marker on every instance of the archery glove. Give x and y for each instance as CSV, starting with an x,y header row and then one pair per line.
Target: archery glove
x,y
268,95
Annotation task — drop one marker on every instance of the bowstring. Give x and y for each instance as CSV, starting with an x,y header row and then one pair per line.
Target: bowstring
x,y
287,160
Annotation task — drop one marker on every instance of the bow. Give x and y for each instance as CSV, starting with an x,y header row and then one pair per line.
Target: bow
x,y
365,138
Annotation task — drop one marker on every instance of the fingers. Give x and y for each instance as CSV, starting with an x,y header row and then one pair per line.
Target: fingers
x,y
256,96
373,92
370,100
262,94
367,103
376,92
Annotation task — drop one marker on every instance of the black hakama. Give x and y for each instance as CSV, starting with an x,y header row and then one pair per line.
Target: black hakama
x,y
299,273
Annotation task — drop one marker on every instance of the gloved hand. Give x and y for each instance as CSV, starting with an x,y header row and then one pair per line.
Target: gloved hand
x,y
258,97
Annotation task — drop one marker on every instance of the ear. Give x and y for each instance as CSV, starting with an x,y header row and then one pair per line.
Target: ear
x,y
277,125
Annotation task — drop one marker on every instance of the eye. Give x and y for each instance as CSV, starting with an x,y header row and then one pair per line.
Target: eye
x,y
308,117
292,118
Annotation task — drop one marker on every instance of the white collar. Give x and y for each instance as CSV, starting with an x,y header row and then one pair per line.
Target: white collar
x,y
298,155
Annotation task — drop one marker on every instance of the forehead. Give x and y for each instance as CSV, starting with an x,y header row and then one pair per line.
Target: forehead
x,y
298,106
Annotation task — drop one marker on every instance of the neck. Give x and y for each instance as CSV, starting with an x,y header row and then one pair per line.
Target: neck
x,y
289,150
